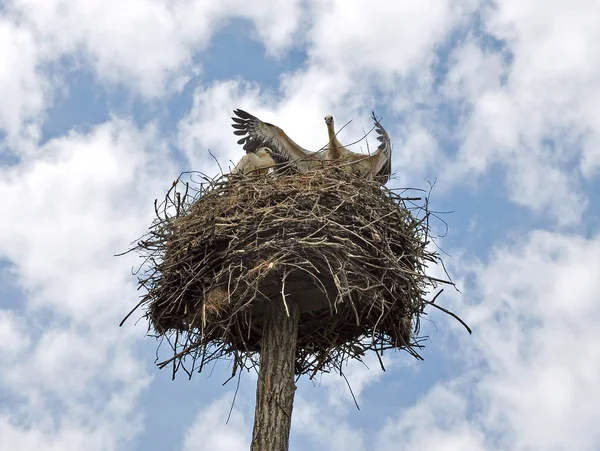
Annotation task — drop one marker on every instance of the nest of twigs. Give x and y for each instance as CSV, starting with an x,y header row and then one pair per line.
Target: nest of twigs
x,y
351,253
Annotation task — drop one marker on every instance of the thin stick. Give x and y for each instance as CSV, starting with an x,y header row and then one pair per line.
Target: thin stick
x,y
131,312
237,387
350,388
452,315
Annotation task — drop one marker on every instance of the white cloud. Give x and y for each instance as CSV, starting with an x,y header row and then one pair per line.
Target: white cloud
x,y
207,127
324,422
73,377
209,430
353,53
306,97
141,43
322,426
13,338
509,111
530,104
380,36
22,90
77,189
536,176
299,112
530,368
537,340
147,45
417,152
439,421
359,377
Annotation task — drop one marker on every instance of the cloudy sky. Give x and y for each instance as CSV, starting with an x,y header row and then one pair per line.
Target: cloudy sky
x,y
103,104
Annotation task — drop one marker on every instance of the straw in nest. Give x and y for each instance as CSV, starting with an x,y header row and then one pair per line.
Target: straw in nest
x,y
351,253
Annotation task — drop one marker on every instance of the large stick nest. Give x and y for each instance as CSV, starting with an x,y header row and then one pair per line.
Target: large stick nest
x,y
351,253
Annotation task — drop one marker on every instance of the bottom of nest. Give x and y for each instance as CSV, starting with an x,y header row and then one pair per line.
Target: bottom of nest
x,y
327,320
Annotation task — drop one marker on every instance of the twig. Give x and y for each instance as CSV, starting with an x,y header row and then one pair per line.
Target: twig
x,y
237,387
452,315
350,388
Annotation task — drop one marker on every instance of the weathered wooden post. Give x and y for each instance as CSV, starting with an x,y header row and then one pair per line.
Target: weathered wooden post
x,y
275,386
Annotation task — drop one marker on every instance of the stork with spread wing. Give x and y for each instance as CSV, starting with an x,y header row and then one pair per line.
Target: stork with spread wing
x,y
377,166
257,133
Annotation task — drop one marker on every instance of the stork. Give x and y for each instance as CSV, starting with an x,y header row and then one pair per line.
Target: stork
x,y
377,166
257,163
256,133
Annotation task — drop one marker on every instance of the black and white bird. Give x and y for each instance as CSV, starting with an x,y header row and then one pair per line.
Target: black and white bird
x,y
373,167
256,134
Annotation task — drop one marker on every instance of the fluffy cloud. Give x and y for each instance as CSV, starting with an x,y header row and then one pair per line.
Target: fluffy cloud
x,y
306,97
522,105
78,188
324,428
528,102
209,430
380,36
537,342
13,337
22,90
532,363
147,45
353,54
492,107
531,367
438,421
206,126
71,373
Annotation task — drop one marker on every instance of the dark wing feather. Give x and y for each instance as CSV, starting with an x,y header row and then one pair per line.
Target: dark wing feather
x,y
243,114
383,168
262,134
278,158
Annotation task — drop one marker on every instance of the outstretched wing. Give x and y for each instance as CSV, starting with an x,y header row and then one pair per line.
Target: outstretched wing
x,y
256,134
383,163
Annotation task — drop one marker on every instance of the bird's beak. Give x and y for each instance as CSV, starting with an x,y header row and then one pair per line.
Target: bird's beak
x,y
277,157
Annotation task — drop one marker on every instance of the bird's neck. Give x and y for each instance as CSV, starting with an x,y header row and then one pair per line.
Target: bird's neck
x,y
334,145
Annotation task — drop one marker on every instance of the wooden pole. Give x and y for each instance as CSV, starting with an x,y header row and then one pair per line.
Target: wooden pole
x,y
275,387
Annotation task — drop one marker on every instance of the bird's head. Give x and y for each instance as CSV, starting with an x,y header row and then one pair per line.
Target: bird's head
x,y
263,152
329,119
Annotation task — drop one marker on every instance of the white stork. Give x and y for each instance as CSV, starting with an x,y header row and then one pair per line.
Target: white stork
x,y
257,163
257,133
377,166
335,149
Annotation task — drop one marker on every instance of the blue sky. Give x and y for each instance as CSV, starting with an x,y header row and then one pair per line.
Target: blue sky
x,y
104,104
